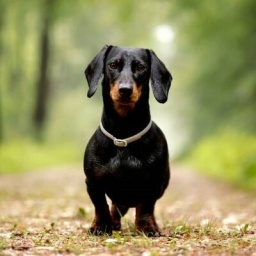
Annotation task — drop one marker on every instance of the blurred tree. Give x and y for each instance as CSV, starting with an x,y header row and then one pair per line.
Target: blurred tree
x,y
43,84
213,67
218,38
2,7
14,65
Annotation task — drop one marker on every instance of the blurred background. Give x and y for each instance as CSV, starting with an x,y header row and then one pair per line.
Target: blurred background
x,y
208,46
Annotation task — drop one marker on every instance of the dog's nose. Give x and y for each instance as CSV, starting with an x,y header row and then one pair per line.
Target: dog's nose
x,y
125,90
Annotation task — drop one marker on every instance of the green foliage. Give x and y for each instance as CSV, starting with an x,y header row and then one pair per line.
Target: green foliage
x,y
218,40
81,213
228,156
27,155
212,59
3,243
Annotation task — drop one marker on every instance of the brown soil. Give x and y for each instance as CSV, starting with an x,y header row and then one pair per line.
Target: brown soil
x,y
48,212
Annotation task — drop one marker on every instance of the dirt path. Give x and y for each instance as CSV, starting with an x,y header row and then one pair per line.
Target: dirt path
x,y
48,213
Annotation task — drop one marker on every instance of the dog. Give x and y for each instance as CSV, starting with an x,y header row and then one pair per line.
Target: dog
x,y
126,159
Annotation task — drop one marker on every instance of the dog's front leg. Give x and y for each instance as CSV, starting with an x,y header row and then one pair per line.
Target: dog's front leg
x,y
102,223
145,220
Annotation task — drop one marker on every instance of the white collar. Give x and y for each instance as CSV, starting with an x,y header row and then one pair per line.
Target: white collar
x,y
125,142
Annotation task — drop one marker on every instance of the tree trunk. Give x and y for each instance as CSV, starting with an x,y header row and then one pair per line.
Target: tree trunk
x,y
1,63
43,84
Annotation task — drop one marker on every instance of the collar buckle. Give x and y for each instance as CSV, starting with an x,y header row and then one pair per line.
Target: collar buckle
x,y
120,143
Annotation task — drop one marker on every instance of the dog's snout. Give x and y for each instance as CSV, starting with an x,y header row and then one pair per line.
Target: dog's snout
x,y
125,90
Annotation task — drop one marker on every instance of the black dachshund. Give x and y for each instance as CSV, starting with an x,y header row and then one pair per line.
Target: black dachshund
x,y
127,157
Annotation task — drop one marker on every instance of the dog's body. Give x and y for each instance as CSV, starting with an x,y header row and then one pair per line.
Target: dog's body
x,y
131,174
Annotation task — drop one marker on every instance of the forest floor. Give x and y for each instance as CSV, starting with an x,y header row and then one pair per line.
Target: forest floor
x,y
48,212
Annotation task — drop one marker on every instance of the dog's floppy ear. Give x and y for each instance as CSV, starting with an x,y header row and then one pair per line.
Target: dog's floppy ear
x,y
160,78
94,70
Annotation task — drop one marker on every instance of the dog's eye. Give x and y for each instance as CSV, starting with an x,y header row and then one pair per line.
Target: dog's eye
x,y
113,65
140,68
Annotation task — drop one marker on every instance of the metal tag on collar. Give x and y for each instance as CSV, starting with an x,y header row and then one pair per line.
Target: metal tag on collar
x,y
120,143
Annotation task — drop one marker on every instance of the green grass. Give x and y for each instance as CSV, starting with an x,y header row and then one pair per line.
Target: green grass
x,y
180,239
227,156
25,155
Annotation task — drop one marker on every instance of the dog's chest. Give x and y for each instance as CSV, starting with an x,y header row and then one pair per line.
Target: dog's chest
x,y
126,165
127,179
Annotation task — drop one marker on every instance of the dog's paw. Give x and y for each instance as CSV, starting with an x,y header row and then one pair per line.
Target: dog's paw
x,y
101,225
100,230
147,226
116,225
150,231
153,233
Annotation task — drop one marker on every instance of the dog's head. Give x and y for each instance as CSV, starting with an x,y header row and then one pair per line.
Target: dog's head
x,y
127,72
